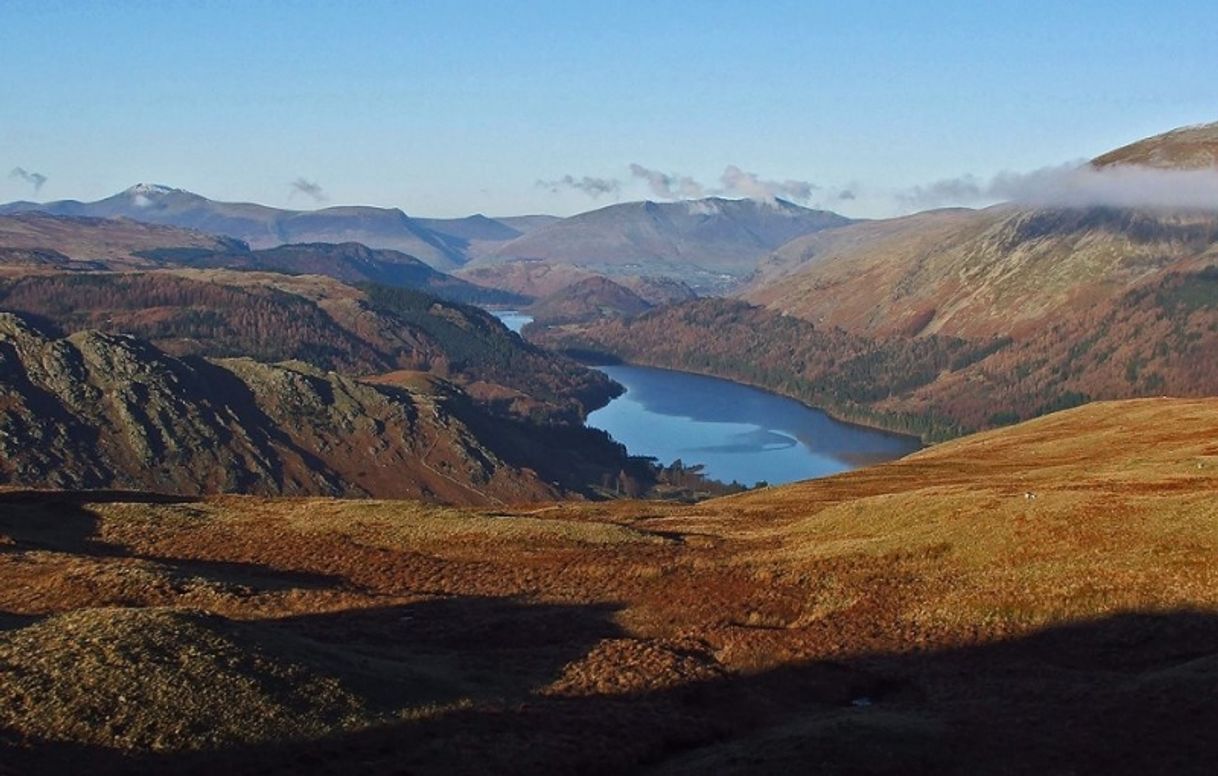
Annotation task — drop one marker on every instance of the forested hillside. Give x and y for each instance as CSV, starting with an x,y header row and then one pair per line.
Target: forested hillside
x,y
1155,339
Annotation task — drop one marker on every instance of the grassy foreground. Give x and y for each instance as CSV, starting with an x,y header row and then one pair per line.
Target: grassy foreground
x,y
1038,599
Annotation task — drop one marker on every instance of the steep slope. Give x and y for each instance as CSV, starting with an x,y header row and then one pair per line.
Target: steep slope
x,y
262,226
1158,338
697,241
275,317
104,411
1006,270
953,612
999,271
96,410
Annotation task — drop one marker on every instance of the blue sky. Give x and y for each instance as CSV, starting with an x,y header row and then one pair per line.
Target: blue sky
x,y
448,108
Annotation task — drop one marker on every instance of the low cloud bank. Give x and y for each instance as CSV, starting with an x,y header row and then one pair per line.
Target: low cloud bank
x,y
734,182
1077,185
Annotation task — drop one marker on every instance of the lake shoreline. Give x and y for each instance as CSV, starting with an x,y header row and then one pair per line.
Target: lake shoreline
x,y
739,432
860,424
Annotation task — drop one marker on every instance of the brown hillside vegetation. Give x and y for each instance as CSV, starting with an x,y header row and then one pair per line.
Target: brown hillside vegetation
x,y
1186,148
1159,338
588,299
325,323
96,410
1040,599
977,274
111,240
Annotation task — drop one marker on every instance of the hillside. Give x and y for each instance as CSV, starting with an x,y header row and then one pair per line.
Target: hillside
x,y
999,271
853,377
348,262
274,317
1158,338
262,226
1186,148
95,410
1006,270
588,299
535,279
104,411
1006,603
540,279
705,243
115,242
70,242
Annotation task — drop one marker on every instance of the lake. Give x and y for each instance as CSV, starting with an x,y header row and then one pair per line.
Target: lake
x,y
738,432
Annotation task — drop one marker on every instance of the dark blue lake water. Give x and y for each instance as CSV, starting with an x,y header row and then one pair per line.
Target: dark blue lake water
x,y
737,432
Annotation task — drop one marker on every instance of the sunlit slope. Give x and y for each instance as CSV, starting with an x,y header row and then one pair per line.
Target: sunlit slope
x,y
955,611
1109,506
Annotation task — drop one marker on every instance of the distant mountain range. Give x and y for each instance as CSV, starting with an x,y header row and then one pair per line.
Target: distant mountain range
x,y
439,242
30,240
707,243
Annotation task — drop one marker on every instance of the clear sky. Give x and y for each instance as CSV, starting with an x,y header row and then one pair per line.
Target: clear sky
x,y
448,108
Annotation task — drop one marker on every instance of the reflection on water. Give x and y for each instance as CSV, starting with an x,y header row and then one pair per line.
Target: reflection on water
x,y
739,433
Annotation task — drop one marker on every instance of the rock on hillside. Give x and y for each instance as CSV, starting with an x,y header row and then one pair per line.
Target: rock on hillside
x,y
274,317
105,411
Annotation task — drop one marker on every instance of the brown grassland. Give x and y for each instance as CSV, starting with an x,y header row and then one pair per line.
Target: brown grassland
x,y
1037,599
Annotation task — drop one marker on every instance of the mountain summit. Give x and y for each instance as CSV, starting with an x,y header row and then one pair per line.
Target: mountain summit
x,y
1186,148
693,240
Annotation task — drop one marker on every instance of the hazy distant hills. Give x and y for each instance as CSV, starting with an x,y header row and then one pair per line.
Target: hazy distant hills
x,y
113,241
348,262
705,242
265,227
708,243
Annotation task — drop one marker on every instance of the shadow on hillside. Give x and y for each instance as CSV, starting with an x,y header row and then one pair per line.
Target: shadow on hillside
x,y
1129,694
60,521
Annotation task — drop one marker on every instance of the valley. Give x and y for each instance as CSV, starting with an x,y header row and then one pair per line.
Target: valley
x,y
698,485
